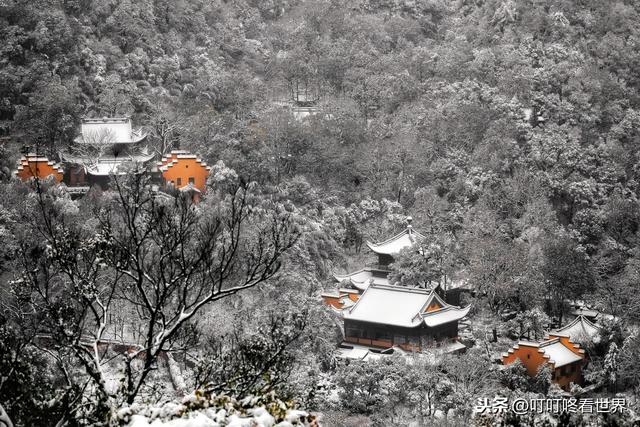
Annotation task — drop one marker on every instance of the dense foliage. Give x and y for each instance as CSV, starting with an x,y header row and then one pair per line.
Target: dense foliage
x,y
508,129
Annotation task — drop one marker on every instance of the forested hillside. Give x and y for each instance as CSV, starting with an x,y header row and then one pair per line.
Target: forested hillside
x,y
508,129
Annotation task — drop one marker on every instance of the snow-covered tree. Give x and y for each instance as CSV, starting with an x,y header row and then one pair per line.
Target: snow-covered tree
x,y
611,367
163,259
533,323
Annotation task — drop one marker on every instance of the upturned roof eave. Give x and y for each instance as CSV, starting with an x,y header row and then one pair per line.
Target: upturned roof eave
x,y
377,247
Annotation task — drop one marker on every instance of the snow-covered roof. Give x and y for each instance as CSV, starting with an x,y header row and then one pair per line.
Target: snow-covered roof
x,y
109,130
453,347
579,330
361,279
444,315
348,291
171,156
171,159
364,353
331,294
389,305
190,188
32,159
593,314
207,410
346,302
554,350
403,307
353,351
342,299
558,354
395,244
103,168
586,312
110,166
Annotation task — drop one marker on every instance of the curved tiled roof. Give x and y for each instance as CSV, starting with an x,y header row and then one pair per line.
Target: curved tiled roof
x,y
105,166
580,329
109,130
396,243
361,279
444,315
389,305
558,354
553,350
402,306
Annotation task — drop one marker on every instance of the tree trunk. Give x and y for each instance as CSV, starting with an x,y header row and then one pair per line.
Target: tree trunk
x,y
4,418
560,315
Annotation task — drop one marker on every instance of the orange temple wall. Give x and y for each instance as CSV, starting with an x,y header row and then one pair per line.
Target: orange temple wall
x,y
532,360
38,167
530,357
179,167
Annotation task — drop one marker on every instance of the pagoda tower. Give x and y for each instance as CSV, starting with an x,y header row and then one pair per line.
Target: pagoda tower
x,y
385,251
379,316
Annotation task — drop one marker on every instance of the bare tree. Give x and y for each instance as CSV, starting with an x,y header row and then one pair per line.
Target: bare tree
x,y
165,126
93,147
164,258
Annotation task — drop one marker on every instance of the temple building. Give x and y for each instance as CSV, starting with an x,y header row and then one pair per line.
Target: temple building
x,y
184,171
111,146
34,166
591,313
343,298
378,315
392,246
362,278
378,273
580,330
559,352
413,319
105,147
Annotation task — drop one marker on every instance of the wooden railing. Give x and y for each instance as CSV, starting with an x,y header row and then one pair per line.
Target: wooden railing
x,y
370,342
409,347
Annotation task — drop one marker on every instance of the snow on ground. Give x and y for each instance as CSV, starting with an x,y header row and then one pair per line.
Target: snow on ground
x,y
176,374
198,410
200,420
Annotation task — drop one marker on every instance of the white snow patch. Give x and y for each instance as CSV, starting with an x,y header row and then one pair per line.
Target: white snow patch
x,y
198,420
